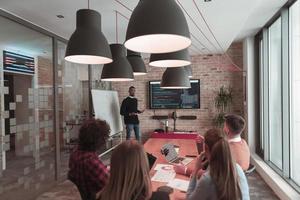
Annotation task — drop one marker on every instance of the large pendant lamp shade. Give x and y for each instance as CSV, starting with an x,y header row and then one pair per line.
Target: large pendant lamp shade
x,y
157,26
175,78
174,59
120,69
87,44
137,63
189,71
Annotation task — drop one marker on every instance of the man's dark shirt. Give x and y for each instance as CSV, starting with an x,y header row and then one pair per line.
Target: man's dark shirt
x,y
129,105
87,172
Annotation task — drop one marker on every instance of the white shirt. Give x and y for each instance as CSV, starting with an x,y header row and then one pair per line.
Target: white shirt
x,y
235,139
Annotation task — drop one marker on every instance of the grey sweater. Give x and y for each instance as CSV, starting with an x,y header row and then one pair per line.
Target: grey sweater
x,y
205,189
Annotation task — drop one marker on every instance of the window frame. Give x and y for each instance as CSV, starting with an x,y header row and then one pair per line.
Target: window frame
x,y
262,38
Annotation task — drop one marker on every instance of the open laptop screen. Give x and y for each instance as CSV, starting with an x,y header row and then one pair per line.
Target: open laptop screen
x,y
151,160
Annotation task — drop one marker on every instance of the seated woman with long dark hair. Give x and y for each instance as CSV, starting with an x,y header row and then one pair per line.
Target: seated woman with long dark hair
x,y
129,175
224,179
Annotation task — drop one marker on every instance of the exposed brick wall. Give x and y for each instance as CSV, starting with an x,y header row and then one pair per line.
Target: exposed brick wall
x,y
213,72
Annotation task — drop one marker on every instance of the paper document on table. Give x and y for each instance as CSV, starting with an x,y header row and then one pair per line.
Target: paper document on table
x,y
164,176
163,167
179,184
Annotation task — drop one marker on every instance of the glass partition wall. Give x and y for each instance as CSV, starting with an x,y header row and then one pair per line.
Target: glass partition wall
x,y
43,101
278,45
27,115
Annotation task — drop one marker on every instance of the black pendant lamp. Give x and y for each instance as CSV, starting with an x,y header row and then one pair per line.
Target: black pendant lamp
x,y
157,26
174,59
137,63
87,44
175,78
189,71
120,69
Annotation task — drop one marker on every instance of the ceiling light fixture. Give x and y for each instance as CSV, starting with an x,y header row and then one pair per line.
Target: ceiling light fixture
x,y
175,78
87,45
120,69
157,26
174,59
137,63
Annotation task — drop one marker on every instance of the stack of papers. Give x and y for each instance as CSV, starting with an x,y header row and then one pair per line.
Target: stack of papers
x,y
164,176
165,173
179,184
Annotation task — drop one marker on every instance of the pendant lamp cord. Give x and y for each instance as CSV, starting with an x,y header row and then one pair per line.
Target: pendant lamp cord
x,y
88,4
117,41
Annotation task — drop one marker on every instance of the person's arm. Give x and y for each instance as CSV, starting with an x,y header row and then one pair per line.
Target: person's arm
x,y
123,109
198,190
182,169
97,173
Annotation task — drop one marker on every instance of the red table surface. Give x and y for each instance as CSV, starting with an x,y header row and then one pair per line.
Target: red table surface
x,y
172,135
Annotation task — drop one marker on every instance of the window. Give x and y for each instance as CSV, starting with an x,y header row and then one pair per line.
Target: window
x,y
278,46
260,139
294,90
275,94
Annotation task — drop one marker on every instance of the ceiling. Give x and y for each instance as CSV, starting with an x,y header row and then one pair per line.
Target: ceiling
x,y
213,25
20,39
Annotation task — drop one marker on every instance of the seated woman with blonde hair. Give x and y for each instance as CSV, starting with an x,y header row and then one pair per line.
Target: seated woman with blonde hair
x,y
224,179
129,175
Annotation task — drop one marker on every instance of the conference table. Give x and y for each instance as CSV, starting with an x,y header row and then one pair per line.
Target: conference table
x,y
186,147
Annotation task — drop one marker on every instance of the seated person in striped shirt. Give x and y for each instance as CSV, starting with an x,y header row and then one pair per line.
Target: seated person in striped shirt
x,y
233,127
86,171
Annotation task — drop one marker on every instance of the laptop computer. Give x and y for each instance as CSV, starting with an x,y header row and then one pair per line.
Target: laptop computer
x,y
172,156
151,160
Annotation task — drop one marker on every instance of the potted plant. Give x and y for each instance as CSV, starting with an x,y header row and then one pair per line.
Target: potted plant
x,y
223,102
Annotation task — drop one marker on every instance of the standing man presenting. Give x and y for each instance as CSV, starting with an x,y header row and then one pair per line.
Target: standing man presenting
x,y
129,109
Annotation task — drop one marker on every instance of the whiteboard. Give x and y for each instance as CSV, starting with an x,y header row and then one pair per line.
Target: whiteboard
x,y
106,107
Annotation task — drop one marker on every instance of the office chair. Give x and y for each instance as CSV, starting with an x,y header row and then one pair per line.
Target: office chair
x,y
83,194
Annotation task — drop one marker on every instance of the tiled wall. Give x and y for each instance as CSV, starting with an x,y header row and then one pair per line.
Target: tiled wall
x,y
213,72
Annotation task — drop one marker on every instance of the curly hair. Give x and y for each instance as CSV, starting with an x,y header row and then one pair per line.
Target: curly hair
x,y
93,134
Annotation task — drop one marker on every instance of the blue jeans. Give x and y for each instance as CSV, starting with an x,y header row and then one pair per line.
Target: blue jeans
x,y
136,128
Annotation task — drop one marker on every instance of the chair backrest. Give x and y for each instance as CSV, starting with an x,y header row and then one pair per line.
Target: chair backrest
x,y
84,195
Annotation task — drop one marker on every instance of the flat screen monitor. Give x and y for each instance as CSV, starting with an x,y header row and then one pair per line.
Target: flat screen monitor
x,y
17,63
174,98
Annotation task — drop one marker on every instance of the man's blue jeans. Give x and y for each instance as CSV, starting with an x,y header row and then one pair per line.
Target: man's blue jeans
x,y
136,128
